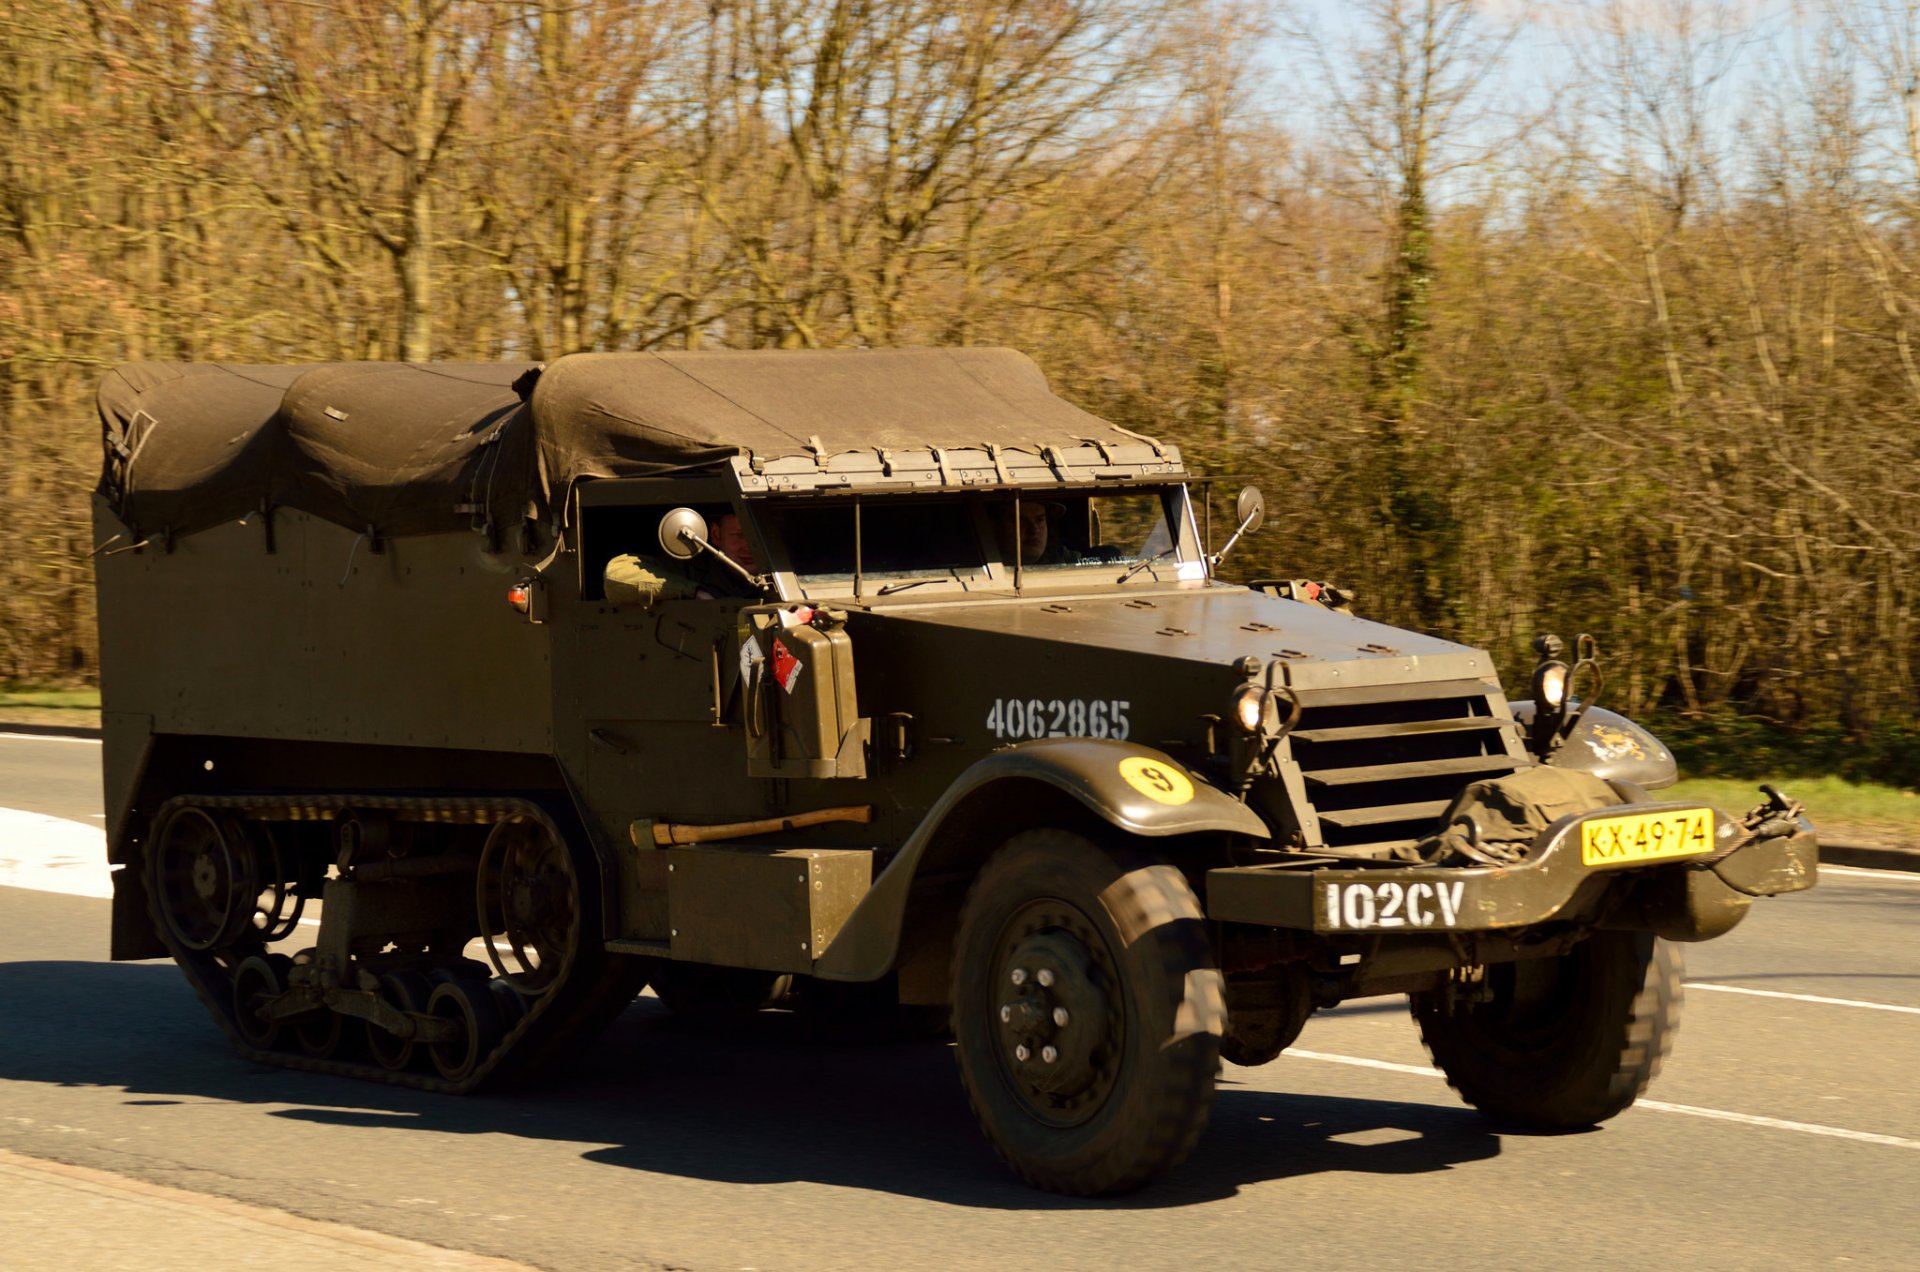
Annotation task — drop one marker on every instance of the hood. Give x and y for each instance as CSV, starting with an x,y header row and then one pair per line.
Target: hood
x,y
1309,648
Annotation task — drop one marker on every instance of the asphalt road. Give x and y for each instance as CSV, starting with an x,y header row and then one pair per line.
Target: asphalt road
x,y
1785,1131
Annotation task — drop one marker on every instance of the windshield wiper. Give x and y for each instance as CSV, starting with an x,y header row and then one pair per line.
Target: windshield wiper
x,y
902,586
1144,562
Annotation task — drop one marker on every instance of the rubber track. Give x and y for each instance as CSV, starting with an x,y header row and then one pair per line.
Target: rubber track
x,y
603,977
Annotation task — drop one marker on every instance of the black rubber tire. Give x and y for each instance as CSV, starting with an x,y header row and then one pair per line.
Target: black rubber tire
x,y
1566,1042
1164,1011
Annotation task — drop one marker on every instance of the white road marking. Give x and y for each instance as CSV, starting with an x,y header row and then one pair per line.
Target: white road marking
x,y
1803,998
1862,872
1361,1062
1653,1106
49,737
1778,1124
53,854
39,853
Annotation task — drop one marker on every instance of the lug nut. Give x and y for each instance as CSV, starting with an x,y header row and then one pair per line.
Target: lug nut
x,y
1006,1015
1049,1054
1060,1017
1020,976
1045,978
1020,1052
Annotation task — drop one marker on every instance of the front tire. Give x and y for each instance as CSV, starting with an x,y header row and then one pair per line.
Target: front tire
x,y
1563,1042
1087,1013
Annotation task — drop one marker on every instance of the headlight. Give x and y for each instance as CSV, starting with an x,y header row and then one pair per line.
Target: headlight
x,y
1553,685
1249,707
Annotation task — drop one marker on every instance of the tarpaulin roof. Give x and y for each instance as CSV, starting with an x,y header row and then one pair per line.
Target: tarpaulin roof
x,y
406,448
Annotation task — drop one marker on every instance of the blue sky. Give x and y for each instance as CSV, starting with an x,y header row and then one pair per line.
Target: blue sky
x,y
1758,41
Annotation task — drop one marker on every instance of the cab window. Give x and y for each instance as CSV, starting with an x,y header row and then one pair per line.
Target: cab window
x,y
897,538
1081,531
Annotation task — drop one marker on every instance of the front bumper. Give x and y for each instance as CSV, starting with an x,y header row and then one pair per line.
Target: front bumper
x,y
1686,899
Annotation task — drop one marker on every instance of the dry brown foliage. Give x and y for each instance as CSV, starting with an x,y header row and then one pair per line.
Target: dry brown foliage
x,y
1627,366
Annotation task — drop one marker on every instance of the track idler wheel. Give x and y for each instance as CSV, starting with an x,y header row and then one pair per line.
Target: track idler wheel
x,y
258,980
475,1013
203,879
529,905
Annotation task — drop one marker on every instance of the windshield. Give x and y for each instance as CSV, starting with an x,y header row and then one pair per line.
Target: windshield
x,y
896,538
1082,532
972,540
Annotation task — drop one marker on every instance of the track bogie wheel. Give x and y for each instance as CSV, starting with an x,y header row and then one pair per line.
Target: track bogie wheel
x,y
510,1002
1559,1043
319,1033
470,1004
1087,1012
257,981
407,992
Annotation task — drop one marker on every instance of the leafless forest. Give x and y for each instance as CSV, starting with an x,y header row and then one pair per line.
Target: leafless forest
x,y
1635,355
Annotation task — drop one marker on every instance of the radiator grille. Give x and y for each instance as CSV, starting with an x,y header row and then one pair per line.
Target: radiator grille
x,y
1379,774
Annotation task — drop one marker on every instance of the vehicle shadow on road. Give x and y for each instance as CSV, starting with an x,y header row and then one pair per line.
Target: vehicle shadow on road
x,y
768,1100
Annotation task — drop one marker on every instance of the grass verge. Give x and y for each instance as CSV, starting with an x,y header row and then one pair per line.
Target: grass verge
x,y
1865,813
38,704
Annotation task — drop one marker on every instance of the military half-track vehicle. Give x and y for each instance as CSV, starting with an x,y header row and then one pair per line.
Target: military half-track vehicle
x,y
447,705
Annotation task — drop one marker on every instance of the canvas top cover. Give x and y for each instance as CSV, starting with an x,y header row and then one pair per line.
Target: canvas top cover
x,y
419,448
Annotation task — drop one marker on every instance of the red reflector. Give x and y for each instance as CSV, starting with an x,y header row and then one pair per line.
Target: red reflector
x,y
520,596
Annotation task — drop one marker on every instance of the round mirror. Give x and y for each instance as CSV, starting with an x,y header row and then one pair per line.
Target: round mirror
x,y
1251,508
678,524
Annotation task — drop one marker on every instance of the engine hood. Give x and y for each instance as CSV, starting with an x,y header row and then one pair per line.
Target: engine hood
x,y
1306,646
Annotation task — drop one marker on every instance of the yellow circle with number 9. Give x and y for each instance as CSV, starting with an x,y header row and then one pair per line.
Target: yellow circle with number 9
x,y
1159,780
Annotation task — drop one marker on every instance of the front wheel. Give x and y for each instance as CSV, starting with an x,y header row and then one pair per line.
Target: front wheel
x,y
1087,1012
1560,1042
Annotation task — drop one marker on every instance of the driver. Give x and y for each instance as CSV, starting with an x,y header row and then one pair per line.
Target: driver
x,y
727,534
1038,543
647,579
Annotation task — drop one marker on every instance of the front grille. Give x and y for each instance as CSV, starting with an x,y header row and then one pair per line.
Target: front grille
x,y
1379,774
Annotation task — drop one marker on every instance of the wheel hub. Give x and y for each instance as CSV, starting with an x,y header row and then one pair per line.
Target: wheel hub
x,y
1055,1022
205,874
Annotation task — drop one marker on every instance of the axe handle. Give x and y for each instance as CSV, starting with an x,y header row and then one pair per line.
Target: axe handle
x,y
669,833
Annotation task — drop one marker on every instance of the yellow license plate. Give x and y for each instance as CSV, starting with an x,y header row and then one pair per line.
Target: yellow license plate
x,y
1622,841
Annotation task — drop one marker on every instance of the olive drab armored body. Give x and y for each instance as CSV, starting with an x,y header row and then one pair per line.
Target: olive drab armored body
x,y
448,705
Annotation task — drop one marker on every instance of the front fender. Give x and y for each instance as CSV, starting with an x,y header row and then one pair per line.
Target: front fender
x,y
1133,788
1611,747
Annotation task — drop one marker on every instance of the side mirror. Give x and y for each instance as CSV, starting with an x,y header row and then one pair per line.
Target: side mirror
x,y
683,532
1251,508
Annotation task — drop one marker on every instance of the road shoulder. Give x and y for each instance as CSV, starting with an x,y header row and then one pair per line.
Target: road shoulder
x,y
66,1216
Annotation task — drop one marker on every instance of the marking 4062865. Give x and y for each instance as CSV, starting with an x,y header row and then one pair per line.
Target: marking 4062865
x,y
1368,906
1058,718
